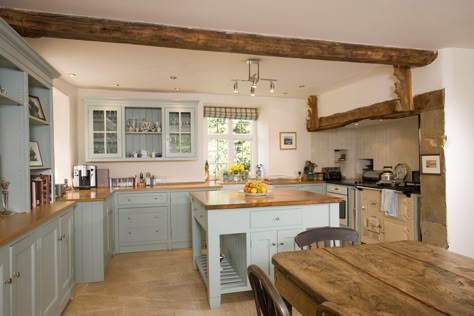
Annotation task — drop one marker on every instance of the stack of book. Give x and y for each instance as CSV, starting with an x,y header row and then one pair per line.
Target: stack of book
x,y
40,190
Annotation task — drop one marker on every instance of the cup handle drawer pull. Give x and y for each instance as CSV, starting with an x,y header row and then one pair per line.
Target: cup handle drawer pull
x,y
282,243
274,244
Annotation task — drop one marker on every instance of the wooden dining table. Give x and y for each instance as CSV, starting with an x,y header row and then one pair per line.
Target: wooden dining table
x,y
388,278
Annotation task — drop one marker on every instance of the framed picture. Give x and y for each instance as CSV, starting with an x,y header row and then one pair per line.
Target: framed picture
x,y
431,164
35,155
287,140
36,110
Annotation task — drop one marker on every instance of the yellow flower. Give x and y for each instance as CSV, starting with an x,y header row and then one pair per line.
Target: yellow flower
x,y
242,168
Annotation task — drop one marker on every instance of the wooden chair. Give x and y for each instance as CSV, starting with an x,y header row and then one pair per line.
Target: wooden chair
x,y
326,235
330,309
267,299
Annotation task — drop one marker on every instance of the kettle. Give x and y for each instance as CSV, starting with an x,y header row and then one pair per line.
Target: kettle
x,y
387,174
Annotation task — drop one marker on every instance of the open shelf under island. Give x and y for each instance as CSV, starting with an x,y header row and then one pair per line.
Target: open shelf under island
x,y
231,231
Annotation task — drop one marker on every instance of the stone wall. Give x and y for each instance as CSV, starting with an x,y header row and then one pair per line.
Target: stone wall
x,y
433,187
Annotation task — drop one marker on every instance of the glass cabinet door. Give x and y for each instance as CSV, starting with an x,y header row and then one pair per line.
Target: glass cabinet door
x,y
180,138
104,132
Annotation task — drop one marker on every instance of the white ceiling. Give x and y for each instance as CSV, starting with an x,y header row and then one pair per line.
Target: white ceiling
x,y
424,24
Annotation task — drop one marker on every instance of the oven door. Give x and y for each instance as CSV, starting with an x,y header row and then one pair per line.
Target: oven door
x,y
342,209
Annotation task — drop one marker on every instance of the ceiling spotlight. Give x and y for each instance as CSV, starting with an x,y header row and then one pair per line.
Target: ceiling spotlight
x,y
272,87
173,77
177,89
72,75
254,77
252,91
116,85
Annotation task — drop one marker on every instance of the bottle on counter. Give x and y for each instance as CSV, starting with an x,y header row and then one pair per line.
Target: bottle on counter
x,y
206,171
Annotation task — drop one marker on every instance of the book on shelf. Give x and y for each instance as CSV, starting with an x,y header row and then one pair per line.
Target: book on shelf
x,y
40,190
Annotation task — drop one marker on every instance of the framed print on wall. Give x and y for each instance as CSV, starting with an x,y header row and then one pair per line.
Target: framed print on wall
x,y
287,140
35,155
431,164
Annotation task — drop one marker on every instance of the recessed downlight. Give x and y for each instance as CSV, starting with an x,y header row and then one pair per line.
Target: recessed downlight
x,y
116,85
173,77
177,89
72,75
301,85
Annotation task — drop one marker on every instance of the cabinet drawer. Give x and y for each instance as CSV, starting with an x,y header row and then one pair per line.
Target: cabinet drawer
x,y
143,217
275,218
128,199
143,234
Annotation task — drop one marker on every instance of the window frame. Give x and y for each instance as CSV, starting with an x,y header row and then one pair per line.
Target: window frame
x,y
231,137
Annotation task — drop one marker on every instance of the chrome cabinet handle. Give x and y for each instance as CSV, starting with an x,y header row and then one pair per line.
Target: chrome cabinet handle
x,y
16,275
8,281
129,217
62,237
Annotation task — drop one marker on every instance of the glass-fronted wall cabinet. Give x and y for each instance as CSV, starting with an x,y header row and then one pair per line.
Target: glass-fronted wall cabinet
x,y
105,132
140,130
180,132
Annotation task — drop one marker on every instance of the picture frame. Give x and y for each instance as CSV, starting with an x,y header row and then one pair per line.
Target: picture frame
x,y
36,110
287,140
431,164
35,155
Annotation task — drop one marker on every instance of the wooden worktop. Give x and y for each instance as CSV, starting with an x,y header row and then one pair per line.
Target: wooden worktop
x,y
101,194
218,200
16,225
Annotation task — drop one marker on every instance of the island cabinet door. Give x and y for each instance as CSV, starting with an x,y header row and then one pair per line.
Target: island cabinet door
x,y
267,243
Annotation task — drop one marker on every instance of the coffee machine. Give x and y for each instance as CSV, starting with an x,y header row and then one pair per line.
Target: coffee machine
x,y
84,177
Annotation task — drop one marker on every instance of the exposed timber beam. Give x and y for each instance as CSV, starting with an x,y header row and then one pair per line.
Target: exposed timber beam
x,y
312,120
41,24
424,102
403,88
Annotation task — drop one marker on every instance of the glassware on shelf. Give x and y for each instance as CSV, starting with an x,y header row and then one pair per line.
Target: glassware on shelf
x,y
132,124
4,185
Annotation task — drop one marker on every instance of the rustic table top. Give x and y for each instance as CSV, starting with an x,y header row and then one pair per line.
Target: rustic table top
x,y
399,278
218,200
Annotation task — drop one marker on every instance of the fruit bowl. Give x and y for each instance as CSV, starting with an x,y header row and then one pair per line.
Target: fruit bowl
x,y
255,188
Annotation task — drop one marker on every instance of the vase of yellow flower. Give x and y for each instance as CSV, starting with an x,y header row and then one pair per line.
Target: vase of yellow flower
x,y
237,170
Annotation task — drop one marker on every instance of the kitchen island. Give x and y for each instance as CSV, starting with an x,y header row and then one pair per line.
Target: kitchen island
x,y
232,230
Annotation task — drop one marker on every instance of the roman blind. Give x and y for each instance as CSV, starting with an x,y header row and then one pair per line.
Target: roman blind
x,y
233,113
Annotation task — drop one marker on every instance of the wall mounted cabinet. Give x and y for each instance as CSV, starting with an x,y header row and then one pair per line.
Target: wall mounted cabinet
x,y
140,130
23,73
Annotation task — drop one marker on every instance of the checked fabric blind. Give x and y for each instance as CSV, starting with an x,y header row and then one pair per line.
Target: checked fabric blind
x,y
232,113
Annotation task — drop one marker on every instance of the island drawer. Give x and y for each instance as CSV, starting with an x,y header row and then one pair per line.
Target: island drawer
x,y
131,199
145,216
275,218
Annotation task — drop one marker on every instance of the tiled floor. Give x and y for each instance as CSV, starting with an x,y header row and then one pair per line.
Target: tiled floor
x,y
153,283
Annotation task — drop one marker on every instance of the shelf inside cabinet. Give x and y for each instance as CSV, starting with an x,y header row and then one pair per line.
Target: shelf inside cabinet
x,y
7,100
37,121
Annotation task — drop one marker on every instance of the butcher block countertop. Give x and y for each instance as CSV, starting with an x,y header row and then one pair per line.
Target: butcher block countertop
x,y
16,225
219,200
101,194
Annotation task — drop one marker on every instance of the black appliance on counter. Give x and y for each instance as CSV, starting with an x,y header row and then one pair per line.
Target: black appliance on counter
x,y
371,175
331,173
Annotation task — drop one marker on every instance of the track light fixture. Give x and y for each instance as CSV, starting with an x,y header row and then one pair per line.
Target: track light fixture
x,y
254,78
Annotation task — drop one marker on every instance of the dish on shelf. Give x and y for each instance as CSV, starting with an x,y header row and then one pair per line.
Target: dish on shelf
x,y
401,171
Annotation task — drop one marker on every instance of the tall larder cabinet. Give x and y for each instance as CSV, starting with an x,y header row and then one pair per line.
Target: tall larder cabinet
x,y
26,118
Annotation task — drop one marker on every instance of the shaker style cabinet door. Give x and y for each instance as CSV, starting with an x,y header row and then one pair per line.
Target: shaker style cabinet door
x,y
180,132
104,132
5,282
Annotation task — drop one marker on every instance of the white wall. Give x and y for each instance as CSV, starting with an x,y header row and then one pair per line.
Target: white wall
x,y
459,149
62,137
275,115
453,71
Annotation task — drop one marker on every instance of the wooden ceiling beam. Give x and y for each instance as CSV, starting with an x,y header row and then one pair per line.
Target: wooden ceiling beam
x,y
429,101
41,24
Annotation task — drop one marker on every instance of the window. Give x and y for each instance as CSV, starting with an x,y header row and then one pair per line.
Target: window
x,y
230,141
